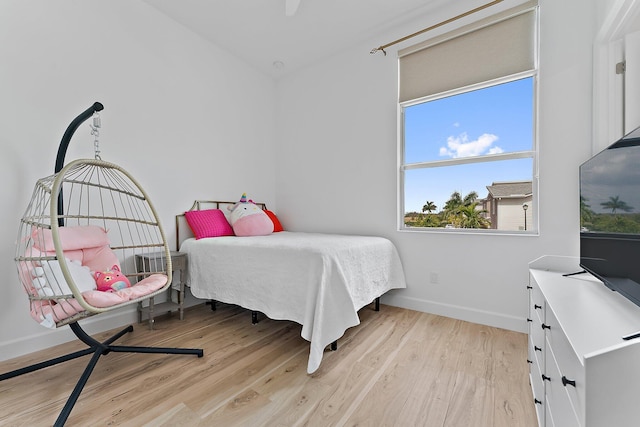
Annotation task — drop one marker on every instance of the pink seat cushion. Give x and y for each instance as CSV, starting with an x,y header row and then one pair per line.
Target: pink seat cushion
x,y
144,287
48,314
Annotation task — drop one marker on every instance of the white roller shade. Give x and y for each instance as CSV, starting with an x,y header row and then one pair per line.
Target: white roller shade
x,y
473,54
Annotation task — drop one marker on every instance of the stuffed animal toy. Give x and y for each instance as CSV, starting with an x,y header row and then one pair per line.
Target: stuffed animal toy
x,y
111,280
247,219
48,279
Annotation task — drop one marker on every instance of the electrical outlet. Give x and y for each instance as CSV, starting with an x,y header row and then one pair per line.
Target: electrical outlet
x,y
433,278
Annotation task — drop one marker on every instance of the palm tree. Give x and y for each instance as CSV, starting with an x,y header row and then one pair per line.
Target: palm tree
x,y
462,212
470,198
429,207
472,217
615,204
455,201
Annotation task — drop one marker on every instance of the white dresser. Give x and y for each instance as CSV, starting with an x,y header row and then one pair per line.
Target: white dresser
x,y
582,372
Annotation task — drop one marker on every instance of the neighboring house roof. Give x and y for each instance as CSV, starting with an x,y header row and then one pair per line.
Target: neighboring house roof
x,y
511,189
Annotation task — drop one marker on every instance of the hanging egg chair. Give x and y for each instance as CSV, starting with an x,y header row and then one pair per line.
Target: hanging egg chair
x,y
77,247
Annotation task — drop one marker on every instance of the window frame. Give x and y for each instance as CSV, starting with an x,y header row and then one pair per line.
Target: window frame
x,y
532,154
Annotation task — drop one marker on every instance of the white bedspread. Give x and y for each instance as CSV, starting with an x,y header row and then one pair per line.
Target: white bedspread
x,y
317,280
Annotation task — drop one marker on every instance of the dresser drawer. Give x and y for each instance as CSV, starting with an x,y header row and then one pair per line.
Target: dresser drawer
x,y
557,398
536,357
536,303
537,387
567,364
536,336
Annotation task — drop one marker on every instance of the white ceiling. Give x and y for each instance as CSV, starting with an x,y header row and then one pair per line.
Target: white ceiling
x,y
259,32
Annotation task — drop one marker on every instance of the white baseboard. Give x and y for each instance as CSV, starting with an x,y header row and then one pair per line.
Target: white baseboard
x,y
482,317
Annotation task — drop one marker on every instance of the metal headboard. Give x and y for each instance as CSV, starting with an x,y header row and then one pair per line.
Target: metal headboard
x,y
182,228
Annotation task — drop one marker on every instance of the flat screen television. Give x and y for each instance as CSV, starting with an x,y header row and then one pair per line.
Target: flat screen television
x,y
610,216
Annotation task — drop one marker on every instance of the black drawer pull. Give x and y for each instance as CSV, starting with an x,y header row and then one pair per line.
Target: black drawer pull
x,y
529,320
545,326
536,306
536,401
566,381
536,348
531,361
545,378
529,287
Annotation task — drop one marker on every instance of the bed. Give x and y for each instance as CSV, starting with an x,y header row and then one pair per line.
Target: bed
x,y
317,280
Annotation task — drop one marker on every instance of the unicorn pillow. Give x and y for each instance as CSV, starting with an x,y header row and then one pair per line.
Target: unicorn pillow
x,y
247,219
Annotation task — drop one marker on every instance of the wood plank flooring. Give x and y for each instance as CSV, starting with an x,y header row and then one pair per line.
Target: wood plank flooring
x,y
397,368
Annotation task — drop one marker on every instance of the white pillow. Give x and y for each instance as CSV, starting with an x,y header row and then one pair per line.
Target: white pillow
x,y
49,280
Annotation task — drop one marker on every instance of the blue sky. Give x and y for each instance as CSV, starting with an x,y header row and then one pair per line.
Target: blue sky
x,y
497,119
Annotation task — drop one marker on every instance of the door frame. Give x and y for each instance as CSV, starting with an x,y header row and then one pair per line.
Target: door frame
x,y
608,87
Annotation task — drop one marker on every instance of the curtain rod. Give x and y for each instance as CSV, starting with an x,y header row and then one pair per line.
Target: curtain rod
x,y
439,24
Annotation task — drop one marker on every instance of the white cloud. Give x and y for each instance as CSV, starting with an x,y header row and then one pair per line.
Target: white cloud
x,y
460,146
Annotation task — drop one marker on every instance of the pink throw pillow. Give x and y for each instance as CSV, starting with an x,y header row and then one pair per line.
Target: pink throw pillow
x,y
208,223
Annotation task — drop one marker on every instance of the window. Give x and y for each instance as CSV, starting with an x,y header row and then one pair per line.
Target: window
x,y
468,151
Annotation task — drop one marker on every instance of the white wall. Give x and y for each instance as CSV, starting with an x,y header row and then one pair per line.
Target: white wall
x,y
185,118
337,169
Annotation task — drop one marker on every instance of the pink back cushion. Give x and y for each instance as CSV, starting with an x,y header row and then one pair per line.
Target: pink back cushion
x,y
87,244
71,238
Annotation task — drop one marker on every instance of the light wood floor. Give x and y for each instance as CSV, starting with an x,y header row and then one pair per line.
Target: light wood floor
x,y
398,368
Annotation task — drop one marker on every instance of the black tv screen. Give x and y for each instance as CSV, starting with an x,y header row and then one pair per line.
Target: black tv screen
x,y
610,216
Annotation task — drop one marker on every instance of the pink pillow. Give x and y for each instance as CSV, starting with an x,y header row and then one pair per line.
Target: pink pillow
x,y
208,223
71,238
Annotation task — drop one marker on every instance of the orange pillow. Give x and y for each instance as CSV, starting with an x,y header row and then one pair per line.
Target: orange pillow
x,y
276,222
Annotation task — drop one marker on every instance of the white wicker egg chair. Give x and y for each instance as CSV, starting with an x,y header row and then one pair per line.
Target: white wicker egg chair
x,y
88,215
